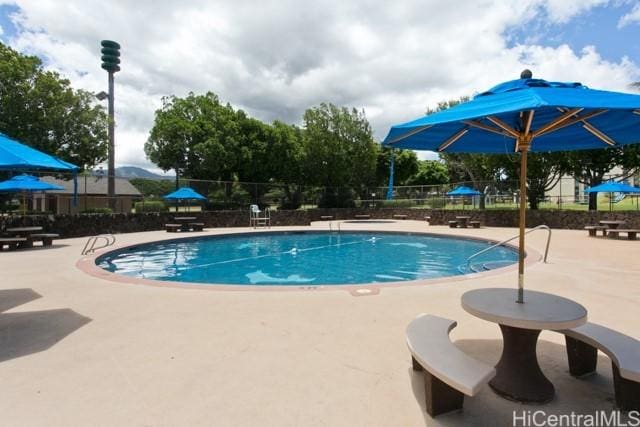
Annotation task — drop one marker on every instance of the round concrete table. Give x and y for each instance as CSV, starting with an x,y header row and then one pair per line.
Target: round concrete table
x,y
518,375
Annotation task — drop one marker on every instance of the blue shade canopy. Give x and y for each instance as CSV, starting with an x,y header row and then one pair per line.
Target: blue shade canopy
x,y
26,183
463,191
556,116
185,193
613,187
524,115
14,155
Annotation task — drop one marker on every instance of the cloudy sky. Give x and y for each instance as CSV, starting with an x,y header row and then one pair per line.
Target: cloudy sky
x,y
274,59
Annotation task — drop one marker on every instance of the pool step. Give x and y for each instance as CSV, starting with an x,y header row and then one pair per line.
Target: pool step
x,y
483,266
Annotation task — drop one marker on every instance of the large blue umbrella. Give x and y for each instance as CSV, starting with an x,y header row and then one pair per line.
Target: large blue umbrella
x,y
526,115
185,193
26,183
17,156
463,191
613,187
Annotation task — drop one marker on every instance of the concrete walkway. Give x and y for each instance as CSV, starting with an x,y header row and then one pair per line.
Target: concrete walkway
x,y
79,350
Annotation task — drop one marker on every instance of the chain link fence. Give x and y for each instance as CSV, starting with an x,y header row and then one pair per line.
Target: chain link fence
x,y
145,195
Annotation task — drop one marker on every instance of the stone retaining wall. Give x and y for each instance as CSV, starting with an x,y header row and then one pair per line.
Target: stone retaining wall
x,y
92,224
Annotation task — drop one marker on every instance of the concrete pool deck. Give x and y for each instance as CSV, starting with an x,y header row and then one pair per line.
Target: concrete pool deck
x,y
80,350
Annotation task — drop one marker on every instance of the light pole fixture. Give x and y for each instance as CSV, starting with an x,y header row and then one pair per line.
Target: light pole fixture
x,y
110,60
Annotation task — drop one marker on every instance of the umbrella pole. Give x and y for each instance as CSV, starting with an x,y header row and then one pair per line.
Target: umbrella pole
x,y
523,148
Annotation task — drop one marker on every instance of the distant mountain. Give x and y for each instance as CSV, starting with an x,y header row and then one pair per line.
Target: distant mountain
x,y
135,172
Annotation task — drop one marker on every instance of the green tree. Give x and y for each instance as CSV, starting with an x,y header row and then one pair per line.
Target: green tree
x,y
196,136
285,156
405,165
42,110
340,153
590,167
430,172
544,171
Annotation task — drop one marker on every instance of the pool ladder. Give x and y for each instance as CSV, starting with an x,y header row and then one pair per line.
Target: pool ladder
x,y
540,227
331,227
90,246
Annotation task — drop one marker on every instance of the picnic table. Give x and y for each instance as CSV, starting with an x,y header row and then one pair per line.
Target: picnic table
x,y
613,224
23,231
462,221
30,234
184,223
518,375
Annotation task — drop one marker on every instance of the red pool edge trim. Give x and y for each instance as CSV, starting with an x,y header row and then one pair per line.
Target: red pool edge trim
x,y
87,264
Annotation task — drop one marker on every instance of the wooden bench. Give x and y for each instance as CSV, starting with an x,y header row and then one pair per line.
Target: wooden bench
x,y
615,233
453,224
196,226
593,229
583,344
173,228
46,238
11,242
449,373
399,216
326,217
474,224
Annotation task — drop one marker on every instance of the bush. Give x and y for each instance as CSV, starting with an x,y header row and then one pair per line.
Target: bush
x,y
98,211
152,206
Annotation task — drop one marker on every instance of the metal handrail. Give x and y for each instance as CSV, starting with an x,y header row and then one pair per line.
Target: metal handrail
x,y
90,246
539,227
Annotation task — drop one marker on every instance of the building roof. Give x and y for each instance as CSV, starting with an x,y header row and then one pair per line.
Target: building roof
x,y
95,185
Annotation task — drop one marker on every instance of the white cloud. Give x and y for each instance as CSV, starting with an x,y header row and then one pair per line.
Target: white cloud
x,y
630,18
561,11
274,58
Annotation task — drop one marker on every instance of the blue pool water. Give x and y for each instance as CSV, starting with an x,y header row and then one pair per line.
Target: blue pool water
x,y
304,258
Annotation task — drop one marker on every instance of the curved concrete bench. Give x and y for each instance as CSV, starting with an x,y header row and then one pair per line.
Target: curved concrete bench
x,y
593,229
172,228
614,233
47,238
12,242
196,226
583,344
449,373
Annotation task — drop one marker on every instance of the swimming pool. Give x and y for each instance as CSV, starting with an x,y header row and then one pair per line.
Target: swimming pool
x,y
304,258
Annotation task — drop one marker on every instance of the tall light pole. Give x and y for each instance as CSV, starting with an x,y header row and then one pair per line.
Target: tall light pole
x,y
110,60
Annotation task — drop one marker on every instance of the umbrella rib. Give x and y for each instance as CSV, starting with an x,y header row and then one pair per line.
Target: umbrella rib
x,y
598,133
556,122
529,120
570,122
496,121
453,139
407,135
482,126
595,131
